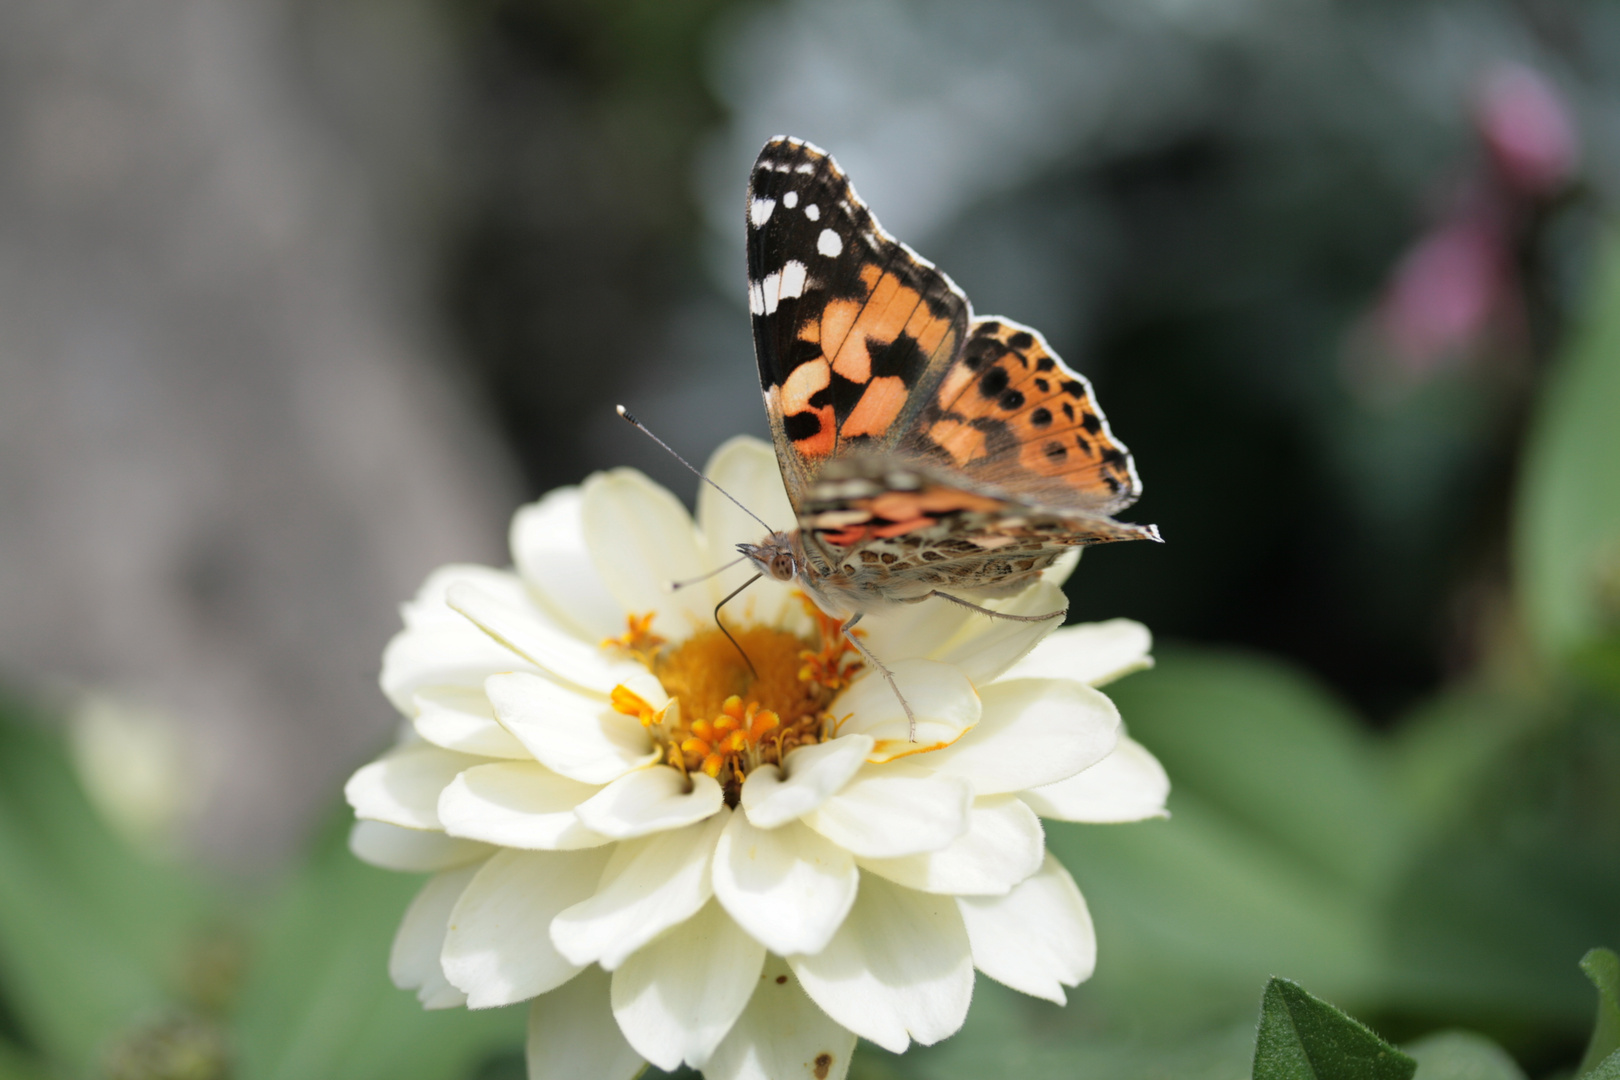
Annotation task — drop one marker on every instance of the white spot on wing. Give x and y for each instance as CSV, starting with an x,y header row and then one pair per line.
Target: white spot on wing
x,y
793,279
756,298
759,211
783,284
829,243
790,200
807,167
813,212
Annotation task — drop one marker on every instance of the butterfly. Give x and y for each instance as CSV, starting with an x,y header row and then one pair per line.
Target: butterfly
x,y
927,452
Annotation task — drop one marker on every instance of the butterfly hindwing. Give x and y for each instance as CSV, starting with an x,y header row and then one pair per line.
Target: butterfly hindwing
x,y
1013,417
851,328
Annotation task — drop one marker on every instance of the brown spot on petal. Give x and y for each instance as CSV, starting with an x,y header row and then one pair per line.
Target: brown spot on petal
x,y
781,980
823,1065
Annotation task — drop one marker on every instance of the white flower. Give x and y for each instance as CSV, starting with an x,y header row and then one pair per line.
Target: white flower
x,y
679,863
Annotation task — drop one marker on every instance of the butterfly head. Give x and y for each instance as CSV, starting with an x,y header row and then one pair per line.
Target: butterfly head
x,y
776,557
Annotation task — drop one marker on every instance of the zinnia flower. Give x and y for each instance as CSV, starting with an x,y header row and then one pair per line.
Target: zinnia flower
x,y
680,861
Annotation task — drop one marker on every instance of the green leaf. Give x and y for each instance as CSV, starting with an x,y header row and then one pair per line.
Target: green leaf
x,y
1461,1055
93,935
1275,752
1607,1069
1009,1035
318,1001
15,1065
1282,834
1602,966
1443,754
1567,528
1483,923
1304,1038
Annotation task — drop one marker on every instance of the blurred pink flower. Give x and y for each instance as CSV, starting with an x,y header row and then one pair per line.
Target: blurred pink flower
x,y
1455,293
1527,129
1444,293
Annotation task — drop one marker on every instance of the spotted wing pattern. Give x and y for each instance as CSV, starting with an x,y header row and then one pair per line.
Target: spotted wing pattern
x,y
850,326
921,448
1013,417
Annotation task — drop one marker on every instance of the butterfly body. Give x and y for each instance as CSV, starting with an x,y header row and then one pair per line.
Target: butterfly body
x,y
926,452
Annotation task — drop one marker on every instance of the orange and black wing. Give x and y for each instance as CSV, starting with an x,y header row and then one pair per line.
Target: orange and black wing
x,y
852,329
1011,416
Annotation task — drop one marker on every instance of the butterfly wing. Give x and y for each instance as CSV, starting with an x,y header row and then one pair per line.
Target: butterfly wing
x,y
1011,417
920,447
879,525
852,329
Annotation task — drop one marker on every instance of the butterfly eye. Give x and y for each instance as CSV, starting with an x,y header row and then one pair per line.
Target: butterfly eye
x,y
782,568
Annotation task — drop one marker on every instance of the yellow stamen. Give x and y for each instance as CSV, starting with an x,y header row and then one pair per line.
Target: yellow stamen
x,y
630,703
639,641
739,720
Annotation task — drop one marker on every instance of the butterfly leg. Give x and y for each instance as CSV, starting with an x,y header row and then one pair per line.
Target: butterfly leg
x,y
866,654
1058,614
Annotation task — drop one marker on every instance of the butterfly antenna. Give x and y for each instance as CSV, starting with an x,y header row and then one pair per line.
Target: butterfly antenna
x,y
676,586
622,411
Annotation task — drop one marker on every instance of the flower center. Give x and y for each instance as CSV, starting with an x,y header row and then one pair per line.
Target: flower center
x,y
725,719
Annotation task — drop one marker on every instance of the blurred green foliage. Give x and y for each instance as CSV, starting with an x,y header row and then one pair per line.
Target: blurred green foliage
x,y
117,963
1568,529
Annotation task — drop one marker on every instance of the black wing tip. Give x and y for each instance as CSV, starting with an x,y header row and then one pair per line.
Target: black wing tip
x,y
801,149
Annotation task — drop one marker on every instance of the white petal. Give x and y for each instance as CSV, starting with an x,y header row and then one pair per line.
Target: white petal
x,y
575,734
411,850
782,1035
813,773
413,962
941,699
445,654
1127,785
499,947
676,998
1033,732
913,630
1094,653
548,545
649,885
518,804
1062,567
573,1036
789,887
894,809
746,468
531,637
461,718
988,646
402,787
430,607
1038,938
641,539
1003,845
898,969
655,799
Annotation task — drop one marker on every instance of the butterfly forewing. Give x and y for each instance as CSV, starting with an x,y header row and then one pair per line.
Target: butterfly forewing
x,y
851,329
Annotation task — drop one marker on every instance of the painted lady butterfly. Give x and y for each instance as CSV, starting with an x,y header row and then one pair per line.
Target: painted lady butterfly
x,y
926,452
